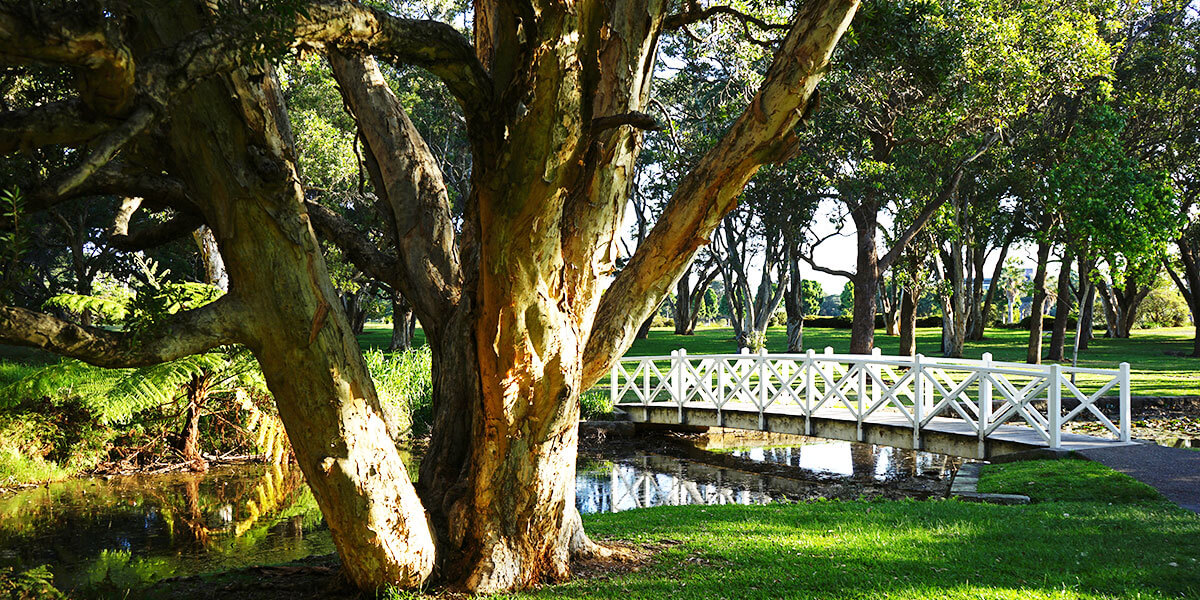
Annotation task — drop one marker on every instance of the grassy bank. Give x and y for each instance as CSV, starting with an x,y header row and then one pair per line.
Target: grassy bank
x,y
1090,533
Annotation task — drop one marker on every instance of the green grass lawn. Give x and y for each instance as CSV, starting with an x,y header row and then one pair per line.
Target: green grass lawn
x,y
1091,533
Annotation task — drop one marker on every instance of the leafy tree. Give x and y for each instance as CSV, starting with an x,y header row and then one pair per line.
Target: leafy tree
x,y
180,103
927,89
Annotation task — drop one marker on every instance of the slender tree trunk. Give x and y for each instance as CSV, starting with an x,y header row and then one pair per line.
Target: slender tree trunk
x,y
1087,294
1037,310
996,275
643,331
1188,282
1086,314
794,303
1062,310
978,317
683,304
189,438
908,324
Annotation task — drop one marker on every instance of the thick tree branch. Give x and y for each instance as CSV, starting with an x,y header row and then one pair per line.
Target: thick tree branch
x,y
640,120
182,334
357,247
709,191
694,15
61,36
406,175
433,45
119,179
152,236
63,123
103,150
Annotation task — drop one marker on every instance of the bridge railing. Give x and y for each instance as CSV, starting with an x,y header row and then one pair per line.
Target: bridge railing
x,y
983,394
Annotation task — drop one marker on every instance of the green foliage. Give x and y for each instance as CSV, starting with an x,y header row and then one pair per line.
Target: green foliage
x,y
1112,205
403,381
33,584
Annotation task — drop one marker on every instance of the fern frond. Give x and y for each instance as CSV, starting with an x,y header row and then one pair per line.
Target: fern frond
x,y
111,308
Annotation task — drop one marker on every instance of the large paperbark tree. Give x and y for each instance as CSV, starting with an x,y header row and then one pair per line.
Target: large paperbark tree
x,y
177,102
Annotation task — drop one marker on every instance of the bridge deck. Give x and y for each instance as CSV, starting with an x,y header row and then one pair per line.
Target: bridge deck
x,y
943,435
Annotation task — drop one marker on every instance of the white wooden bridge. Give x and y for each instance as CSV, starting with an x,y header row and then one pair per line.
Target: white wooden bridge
x,y
970,408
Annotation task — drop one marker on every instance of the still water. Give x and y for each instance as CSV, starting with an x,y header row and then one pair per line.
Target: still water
x,y
100,536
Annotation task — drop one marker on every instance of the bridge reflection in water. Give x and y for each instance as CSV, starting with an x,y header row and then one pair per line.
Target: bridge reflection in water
x,y
761,475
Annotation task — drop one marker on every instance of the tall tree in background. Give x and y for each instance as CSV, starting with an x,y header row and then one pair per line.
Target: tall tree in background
x,y
945,75
179,102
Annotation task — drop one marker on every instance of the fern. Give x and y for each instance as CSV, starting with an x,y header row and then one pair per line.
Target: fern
x,y
111,308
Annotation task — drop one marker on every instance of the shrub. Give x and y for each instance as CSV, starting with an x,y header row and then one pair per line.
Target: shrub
x,y
595,404
404,383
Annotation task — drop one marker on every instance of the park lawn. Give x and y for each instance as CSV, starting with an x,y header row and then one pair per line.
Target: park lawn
x,y
1098,534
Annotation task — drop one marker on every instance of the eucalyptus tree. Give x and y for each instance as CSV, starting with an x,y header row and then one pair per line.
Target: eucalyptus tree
x,y
180,102
944,74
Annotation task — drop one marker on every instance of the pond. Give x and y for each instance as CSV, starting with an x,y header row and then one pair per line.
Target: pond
x,y
102,536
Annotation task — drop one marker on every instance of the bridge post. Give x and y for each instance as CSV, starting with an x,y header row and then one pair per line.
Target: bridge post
x,y
810,389
985,403
1126,407
763,390
1054,406
862,395
876,370
919,402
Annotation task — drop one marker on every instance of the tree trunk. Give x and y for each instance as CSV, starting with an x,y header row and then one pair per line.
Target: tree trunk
x,y
643,331
403,324
195,392
1188,282
1037,310
227,141
996,274
1062,311
683,304
866,282
793,303
977,318
1087,295
908,324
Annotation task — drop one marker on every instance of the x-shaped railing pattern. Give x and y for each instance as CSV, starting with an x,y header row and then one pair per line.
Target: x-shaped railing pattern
x,y
982,394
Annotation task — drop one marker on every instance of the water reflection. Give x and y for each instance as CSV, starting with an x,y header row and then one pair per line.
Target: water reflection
x,y
758,475
124,533
624,486
882,463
